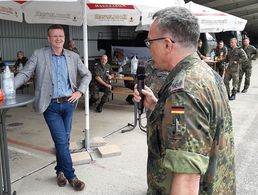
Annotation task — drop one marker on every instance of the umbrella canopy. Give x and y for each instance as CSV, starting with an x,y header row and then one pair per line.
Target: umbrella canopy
x,y
67,12
144,7
10,10
112,15
212,20
70,12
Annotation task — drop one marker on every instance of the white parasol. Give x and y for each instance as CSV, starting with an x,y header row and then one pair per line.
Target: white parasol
x,y
212,20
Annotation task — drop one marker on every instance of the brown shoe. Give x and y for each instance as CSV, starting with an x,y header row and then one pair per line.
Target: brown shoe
x,y
77,184
61,180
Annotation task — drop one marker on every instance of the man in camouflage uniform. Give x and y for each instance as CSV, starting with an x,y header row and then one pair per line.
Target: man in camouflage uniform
x,y
246,68
234,58
221,53
190,138
101,76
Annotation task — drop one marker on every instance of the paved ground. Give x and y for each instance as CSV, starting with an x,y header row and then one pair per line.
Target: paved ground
x,y
30,149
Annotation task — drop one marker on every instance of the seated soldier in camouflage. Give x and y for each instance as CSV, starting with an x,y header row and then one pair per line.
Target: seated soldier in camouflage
x,y
100,82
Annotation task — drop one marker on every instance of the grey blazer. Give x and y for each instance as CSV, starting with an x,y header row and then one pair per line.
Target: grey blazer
x,y
41,63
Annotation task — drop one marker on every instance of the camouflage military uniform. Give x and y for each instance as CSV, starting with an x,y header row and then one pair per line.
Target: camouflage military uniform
x,y
96,87
190,131
246,68
234,58
154,79
220,56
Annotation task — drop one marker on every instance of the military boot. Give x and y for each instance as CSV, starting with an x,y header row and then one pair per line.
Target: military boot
x,y
99,107
233,95
228,95
244,90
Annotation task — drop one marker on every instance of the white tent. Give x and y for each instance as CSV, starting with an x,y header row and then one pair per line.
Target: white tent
x,y
75,12
212,20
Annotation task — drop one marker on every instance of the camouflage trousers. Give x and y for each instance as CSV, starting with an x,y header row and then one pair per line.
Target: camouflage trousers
x,y
158,178
220,66
235,78
247,71
94,93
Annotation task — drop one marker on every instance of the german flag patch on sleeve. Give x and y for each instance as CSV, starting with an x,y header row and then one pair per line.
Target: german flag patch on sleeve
x,y
177,110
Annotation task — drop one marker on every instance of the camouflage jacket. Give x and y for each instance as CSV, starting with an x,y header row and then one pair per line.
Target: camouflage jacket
x,y
251,53
221,54
154,78
102,72
190,131
235,57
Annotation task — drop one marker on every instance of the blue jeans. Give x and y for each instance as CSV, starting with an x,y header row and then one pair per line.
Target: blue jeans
x,y
59,121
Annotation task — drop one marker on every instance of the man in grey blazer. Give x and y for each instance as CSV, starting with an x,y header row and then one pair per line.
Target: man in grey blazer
x,y
56,96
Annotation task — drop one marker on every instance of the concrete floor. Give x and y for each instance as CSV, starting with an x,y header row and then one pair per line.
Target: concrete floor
x,y
31,147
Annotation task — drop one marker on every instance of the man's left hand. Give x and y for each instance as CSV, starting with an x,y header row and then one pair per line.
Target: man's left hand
x,y
75,96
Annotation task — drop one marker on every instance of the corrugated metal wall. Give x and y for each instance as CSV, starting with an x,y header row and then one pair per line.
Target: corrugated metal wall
x,y
15,36
76,33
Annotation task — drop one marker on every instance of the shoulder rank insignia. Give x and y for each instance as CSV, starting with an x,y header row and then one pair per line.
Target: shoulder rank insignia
x,y
179,82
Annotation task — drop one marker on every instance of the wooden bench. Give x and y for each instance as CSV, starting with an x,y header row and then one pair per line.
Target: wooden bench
x,y
121,91
119,88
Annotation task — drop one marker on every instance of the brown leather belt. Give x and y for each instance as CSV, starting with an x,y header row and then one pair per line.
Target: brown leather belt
x,y
60,100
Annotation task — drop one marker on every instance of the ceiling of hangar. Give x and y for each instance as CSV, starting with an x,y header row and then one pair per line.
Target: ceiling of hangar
x,y
247,9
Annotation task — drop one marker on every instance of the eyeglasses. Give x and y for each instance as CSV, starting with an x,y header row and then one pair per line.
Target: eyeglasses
x,y
148,41
55,37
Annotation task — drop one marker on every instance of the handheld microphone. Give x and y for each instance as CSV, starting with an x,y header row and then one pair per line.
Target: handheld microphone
x,y
140,73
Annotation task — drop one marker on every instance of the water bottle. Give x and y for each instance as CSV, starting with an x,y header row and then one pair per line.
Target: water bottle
x,y
120,69
8,83
134,65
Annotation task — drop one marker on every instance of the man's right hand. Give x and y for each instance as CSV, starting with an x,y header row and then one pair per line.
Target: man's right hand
x,y
150,100
109,86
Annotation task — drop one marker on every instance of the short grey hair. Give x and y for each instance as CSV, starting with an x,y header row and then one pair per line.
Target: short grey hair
x,y
181,24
